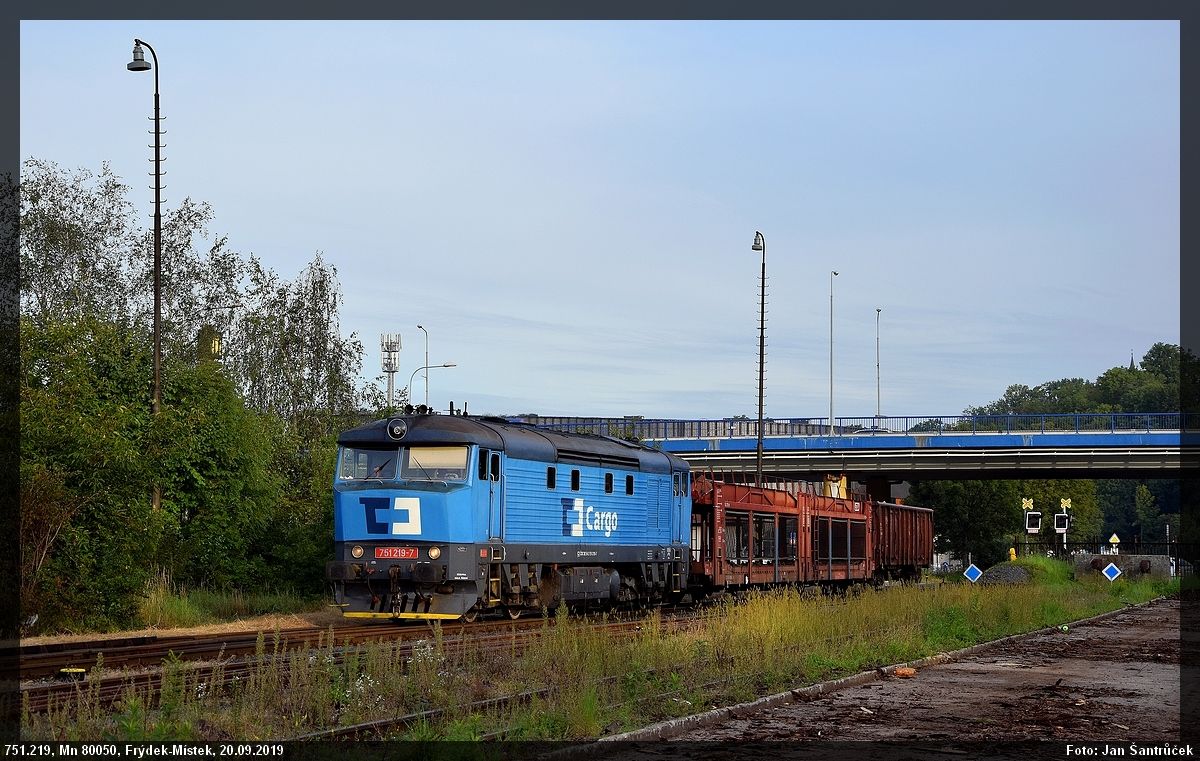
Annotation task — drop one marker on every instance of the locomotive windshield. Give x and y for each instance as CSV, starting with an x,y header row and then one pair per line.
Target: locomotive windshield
x,y
360,464
438,464
434,464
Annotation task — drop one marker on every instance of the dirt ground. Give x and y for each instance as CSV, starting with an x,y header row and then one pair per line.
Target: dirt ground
x,y
1112,680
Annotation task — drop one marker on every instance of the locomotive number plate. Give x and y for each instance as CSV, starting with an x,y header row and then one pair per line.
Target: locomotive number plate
x,y
396,553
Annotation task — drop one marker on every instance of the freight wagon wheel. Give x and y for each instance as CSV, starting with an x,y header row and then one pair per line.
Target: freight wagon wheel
x,y
471,614
513,613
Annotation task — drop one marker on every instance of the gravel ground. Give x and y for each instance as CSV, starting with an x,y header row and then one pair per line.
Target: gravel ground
x,y
1005,573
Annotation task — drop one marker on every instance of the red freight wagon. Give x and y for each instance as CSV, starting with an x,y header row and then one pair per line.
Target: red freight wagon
x,y
903,539
745,536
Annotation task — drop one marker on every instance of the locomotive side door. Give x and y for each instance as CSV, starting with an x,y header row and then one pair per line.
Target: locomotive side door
x,y
681,490
491,490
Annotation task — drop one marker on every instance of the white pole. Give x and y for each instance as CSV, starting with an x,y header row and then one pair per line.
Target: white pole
x,y
832,274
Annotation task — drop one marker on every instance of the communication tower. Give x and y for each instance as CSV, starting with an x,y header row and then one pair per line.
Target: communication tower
x,y
389,360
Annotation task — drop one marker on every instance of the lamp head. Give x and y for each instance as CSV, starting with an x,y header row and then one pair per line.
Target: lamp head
x,y
139,62
833,271
449,364
759,242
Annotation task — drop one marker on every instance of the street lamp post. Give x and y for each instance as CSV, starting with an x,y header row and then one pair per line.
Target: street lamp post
x,y
760,244
426,367
832,275
878,413
139,63
426,332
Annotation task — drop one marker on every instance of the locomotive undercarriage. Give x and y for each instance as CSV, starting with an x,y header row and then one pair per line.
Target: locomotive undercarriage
x,y
432,590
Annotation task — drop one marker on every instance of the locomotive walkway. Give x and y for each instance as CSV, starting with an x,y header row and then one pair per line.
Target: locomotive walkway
x,y
994,446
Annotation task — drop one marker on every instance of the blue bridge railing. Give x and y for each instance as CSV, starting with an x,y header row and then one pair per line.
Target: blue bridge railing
x,y
736,427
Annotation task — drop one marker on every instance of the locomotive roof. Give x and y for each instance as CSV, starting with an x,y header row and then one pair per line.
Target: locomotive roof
x,y
517,439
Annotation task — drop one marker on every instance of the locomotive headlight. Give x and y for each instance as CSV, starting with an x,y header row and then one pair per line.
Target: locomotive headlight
x,y
356,551
435,553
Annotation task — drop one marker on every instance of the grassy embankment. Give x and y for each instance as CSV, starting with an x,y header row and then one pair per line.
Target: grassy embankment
x,y
167,606
598,684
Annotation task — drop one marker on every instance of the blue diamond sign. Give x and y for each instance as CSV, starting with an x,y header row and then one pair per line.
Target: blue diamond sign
x,y
1111,572
972,573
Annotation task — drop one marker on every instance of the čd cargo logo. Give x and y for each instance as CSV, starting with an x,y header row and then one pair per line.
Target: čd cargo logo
x,y
577,517
403,513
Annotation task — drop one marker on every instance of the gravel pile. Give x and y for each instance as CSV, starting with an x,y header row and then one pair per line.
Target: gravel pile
x,y
1005,573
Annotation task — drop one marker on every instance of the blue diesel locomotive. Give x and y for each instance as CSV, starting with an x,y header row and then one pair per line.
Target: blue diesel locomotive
x,y
449,516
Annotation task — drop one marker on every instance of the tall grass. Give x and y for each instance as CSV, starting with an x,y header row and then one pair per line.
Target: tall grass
x,y
590,682
167,605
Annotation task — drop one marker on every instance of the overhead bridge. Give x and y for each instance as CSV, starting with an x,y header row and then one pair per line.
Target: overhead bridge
x,y
1143,445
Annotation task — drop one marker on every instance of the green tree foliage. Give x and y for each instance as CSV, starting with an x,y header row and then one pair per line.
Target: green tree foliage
x,y
1047,495
1118,500
217,479
88,535
975,517
242,449
1152,524
1151,387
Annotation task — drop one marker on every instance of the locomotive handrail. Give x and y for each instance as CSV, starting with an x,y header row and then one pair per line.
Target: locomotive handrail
x,y
658,429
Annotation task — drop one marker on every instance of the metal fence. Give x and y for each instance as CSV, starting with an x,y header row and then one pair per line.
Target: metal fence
x,y
1186,555
738,427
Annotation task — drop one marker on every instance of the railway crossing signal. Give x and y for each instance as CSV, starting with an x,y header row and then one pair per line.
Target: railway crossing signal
x,y
1033,522
1062,522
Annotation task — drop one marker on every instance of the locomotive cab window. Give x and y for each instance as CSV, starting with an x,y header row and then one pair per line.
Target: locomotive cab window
x,y
363,464
483,464
434,464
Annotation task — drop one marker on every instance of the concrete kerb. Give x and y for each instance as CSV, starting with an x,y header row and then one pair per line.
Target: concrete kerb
x,y
666,729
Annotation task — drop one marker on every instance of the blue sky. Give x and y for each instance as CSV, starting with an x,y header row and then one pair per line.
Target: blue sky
x,y
568,207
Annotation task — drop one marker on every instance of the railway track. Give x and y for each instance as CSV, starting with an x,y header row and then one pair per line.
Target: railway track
x,y
42,661
54,676
135,664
